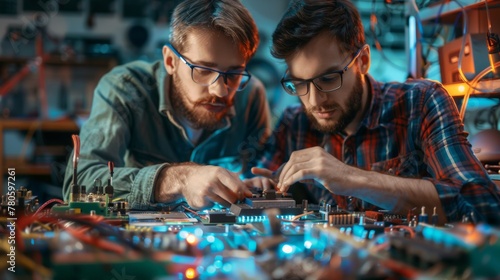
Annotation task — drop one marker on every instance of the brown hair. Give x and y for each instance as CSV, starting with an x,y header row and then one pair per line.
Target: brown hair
x,y
227,16
305,19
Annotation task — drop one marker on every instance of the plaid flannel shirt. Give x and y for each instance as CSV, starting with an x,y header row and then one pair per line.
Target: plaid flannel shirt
x,y
411,129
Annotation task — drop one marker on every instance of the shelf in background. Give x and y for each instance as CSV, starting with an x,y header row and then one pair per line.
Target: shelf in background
x,y
45,155
450,9
58,60
54,125
26,168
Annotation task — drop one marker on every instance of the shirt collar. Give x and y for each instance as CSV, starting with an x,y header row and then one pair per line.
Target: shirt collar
x,y
373,113
163,80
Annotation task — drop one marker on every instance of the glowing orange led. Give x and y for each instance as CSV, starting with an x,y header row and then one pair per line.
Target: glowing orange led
x,y
191,239
190,273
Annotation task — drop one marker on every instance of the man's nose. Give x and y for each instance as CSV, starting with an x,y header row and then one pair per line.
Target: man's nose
x,y
219,87
316,96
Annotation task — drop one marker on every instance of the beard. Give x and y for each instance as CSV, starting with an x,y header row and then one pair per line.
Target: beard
x,y
347,115
193,111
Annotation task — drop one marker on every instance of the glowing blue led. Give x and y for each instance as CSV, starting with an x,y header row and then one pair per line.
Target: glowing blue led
x,y
210,238
183,234
135,239
371,234
198,232
211,269
217,246
218,264
227,268
308,244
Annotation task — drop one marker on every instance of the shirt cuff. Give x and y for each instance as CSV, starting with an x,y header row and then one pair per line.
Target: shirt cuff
x,y
142,190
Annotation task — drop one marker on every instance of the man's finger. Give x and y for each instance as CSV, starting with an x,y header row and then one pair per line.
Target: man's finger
x,y
267,185
262,172
231,183
214,197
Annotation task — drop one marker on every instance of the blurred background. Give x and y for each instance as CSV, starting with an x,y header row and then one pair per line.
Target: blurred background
x,y
42,104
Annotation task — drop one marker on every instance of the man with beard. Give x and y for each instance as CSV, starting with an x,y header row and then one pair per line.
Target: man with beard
x,y
362,144
186,128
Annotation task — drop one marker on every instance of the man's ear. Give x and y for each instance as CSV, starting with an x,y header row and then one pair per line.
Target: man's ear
x,y
168,60
364,60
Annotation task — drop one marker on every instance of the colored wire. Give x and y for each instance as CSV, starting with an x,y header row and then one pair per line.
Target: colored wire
x,y
296,217
96,241
472,84
408,229
48,202
190,211
27,262
76,155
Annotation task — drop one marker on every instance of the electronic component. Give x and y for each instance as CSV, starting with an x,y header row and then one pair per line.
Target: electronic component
x,y
475,58
75,189
109,188
154,219
434,217
25,202
423,217
255,206
217,216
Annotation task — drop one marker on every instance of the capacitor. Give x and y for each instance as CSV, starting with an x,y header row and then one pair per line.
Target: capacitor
x,y
434,218
423,217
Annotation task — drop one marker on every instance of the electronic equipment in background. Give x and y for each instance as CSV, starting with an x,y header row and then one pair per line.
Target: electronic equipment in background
x,y
475,58
25,203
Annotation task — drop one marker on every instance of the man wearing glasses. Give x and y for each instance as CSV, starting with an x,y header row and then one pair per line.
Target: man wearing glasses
x,y
361,144
183,129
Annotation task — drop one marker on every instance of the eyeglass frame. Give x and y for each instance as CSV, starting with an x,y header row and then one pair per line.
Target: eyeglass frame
x,y
311,80
220,73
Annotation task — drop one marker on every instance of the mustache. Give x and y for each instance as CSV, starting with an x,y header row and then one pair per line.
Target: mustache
x,y
212,100
322,108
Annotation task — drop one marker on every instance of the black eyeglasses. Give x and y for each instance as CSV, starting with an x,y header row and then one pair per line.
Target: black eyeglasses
x,y
326,82
205,76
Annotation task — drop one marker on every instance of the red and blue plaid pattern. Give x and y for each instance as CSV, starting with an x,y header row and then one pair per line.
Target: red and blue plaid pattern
x,y
411,129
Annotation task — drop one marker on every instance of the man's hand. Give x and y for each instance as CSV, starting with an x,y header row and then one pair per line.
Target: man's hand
x,y
314,164
201,185
264,181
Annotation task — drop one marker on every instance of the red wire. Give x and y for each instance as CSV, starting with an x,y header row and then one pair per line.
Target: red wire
x,y
24,221
76,153
53,200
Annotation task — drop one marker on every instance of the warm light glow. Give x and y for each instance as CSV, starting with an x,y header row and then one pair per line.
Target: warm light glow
x,y
191,239
456,89
190,273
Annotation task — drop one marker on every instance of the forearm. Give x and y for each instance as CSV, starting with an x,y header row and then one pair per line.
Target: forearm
x,y
397,194
171,181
